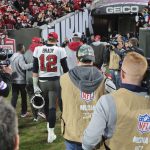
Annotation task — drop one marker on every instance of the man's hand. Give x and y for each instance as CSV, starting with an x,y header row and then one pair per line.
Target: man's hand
x,y
37,90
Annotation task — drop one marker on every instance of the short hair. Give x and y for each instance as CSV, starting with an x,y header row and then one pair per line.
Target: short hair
x,y
8,126
135,65
53,40
76,39
20,46
134,41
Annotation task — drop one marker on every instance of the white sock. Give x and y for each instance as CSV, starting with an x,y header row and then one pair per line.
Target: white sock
x,y
47,126
51,130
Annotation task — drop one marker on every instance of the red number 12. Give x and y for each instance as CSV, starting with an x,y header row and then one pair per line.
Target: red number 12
x,y
50,64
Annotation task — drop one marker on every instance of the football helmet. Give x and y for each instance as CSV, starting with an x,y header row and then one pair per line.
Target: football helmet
x,y
37,101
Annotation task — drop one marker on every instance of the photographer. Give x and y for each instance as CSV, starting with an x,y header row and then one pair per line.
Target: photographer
x,y
5,78
133,46
5,72
123,116
116,55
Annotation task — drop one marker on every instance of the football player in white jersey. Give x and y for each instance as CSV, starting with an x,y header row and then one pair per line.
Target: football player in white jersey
x,y
48,60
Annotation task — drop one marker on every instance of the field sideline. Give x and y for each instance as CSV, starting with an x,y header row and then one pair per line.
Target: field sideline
x,y
33,135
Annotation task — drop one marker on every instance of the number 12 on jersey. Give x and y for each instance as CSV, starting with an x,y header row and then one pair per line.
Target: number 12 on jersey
x,y
49,63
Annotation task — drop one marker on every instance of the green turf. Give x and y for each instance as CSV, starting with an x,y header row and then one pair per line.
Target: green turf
x,y
33,135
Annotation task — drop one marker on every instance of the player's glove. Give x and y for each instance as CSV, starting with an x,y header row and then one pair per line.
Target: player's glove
x,y
37,90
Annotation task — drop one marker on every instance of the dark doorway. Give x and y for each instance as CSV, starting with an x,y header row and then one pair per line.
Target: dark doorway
x,y
107,24
126,23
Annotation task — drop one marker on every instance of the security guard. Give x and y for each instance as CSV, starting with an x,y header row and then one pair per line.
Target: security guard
x,y
81,87
124,115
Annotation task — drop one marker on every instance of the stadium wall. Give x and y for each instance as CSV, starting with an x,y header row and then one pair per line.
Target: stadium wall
x,y
24,35
144,41
65,27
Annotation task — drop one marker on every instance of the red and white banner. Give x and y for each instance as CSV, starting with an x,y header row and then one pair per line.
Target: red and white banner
x,y
8,44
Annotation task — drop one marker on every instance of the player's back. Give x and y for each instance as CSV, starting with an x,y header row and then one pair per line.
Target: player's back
x,y
49,60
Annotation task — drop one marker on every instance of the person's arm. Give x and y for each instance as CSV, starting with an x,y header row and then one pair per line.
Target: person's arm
x,y
102,123
117,52
63,60
64,64
23,64
35,65
35,76
138,50
106,56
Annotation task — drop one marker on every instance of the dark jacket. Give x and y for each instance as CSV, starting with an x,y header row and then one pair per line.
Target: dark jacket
x,y
99,49
86,78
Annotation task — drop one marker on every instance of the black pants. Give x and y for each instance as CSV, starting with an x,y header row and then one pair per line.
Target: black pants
x,y
15,92
51,93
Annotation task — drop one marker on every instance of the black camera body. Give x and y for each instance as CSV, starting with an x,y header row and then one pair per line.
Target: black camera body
x,y
113,43
4,57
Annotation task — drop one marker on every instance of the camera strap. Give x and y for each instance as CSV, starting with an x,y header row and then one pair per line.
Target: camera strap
x,y
106,147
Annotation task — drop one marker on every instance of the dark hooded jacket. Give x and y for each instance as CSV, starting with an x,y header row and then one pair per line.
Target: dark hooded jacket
x,y
86,78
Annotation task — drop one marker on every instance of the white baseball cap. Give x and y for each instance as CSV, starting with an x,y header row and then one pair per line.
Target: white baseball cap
x,y
77,34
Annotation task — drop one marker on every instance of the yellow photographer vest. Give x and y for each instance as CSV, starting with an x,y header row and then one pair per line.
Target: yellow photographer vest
x,y
114,61
77,108
132,130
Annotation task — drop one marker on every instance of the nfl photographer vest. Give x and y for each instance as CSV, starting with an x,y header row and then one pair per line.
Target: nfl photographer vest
x,y
114,61
132,130
77,108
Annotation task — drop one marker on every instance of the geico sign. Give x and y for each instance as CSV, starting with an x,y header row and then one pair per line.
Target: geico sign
x,y
122,9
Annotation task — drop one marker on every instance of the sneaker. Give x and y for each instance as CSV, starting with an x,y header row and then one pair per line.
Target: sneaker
x,y
35,119
51,137
25,115
41,114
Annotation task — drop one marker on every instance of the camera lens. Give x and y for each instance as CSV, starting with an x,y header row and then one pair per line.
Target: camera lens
x,y
3,54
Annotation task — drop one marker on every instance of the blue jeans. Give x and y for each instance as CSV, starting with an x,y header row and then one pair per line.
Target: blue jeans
x,y
116,78
72,146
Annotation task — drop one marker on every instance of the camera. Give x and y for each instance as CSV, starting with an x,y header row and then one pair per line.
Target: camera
x,y
113,43
146,80
4,57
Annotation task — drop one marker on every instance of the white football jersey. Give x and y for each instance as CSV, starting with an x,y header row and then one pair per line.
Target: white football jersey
x,y
49,60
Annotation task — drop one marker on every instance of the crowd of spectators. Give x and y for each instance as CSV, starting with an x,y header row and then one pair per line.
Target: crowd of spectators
x,y
143,19
16,14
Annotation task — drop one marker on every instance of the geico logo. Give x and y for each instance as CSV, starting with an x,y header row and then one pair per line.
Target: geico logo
x,y
122,9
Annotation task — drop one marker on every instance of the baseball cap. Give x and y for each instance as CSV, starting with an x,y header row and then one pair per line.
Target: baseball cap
x,y
36,39
85,53
53,35
77,34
